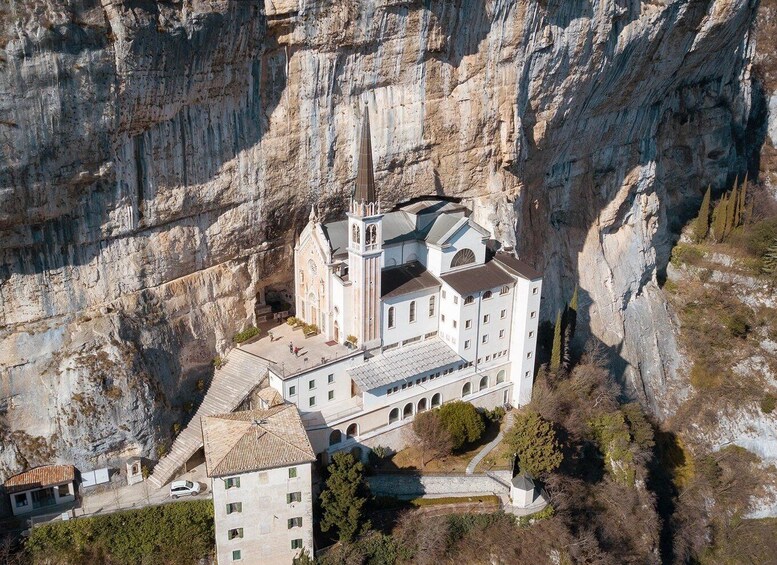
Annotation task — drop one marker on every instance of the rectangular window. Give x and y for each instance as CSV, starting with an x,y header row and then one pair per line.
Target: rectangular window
x,y
455,324
63,490
409,384
488,358
528,355
430,335
501,334
292,472
391,322
485,338
411,315
296,544
295,523
236,555
235,533
531,333
293,497
233,482
312,401
535,290
404,386
467,344
455,299
431,305
486,318
331,395
388,391
292,391
526,374
442,317
503,314
312,385
21,500
234,507
443,295
534,314
264,478
505,290
467,324
330,379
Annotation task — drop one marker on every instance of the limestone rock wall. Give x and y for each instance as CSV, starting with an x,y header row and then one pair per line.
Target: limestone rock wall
x,y
158,158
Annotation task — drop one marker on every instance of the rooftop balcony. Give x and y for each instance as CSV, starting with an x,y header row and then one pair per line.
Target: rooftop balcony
x,y
276,348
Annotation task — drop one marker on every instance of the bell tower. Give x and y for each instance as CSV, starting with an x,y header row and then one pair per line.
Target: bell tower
x,y
365,247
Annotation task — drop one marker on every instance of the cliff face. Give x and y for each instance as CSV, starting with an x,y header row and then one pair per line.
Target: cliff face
x,y
158,159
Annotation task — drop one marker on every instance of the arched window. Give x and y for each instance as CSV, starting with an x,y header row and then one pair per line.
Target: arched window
x,y
466,390
436,400
484,383
411,317
355,233
391,317
335,437
500,377
432,300
408,411
352,431
312,268
421,405
393,415
372,234
469,300
505,290
463,257
487,295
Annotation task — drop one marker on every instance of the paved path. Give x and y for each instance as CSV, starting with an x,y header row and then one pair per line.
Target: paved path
x,y
490,445
106,499
230,386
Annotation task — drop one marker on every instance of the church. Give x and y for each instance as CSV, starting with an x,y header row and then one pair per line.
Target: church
x,y
425,307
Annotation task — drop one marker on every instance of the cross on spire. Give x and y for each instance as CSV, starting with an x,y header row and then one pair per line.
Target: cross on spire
x,y
365,176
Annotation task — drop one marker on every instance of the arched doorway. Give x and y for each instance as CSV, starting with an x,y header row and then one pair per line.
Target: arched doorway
x,y
352,431
335,437
421,405
393,415
484,383
436,400
337,332
466,390
408,411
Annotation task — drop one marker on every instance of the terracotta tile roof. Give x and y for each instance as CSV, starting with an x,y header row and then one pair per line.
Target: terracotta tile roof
x,y
271,396
41,477
254,440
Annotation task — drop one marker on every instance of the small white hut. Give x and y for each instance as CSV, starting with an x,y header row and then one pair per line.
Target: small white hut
x,y
522,491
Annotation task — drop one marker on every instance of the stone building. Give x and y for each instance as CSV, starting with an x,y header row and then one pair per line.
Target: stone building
x,y
259,462
41,489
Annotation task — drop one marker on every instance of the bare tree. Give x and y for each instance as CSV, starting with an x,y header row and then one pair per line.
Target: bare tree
x,y
434,440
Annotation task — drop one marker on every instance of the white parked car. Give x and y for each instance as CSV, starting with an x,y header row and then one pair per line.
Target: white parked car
x,y
182,488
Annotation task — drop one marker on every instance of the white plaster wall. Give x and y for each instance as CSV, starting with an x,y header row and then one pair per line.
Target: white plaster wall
x,y
465,237
302,392
403,328
523,340
264,517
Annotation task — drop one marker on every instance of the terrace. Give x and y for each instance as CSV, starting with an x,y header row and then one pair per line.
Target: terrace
x,y
314,351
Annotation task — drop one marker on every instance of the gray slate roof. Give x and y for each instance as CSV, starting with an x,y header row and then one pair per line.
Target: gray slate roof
x,y
404,363
523,482
480,277
517,267
412,277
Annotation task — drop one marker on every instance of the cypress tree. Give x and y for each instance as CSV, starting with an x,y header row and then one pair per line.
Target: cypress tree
x,y
572,317
731,203
719,219
555,353
735,199
573,302
344,497
702,224
743,202
769,261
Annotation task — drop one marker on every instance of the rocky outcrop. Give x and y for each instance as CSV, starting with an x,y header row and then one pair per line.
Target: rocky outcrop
x,y
159,158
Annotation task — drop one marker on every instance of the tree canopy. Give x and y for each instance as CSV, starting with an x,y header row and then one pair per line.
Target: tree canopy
x,y
463,422
535,443
343,498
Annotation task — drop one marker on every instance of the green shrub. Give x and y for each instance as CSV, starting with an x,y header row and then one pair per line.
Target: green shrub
x,y
246,334
291,320
534,441
683,253
352,339
463,422
176,533
768,404
737,325
705,377
496,415
218,362
760,236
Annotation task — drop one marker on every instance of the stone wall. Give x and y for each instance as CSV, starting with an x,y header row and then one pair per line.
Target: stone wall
x,y
406,485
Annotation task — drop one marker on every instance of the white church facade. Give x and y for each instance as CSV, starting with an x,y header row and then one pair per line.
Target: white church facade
x,y
414,307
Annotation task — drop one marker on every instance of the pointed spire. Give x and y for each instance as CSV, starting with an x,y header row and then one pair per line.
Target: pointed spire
x,y
365,176
313,214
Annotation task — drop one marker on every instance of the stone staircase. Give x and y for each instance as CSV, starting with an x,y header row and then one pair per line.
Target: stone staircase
x,y
231,385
